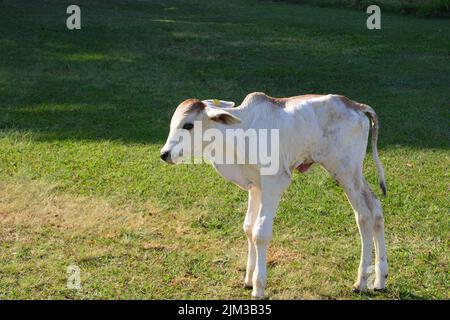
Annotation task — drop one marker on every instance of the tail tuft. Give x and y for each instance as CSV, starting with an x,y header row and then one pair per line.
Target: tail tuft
x,y
383,188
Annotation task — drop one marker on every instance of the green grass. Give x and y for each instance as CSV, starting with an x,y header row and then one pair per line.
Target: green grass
x,y
421,8
83,115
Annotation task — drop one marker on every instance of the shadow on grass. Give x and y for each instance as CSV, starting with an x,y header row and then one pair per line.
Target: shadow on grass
x,y
385,294
121,76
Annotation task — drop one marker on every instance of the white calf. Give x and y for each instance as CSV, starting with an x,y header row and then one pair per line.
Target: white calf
x,y
329,130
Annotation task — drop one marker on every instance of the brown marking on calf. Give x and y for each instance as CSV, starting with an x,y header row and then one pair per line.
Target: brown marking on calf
x,y
369,197
281,102
191,105
352,104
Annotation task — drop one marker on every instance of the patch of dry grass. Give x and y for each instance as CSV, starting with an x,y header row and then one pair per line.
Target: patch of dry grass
x,y
124,245
40,226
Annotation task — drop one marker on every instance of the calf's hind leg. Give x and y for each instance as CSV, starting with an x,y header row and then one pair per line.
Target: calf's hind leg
x,y
381,266
364,204
369,217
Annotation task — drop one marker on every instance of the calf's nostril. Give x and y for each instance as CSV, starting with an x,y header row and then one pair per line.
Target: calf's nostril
x,y
164,155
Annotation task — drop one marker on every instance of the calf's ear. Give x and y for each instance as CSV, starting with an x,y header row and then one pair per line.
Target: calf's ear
x,y
219,103
221,116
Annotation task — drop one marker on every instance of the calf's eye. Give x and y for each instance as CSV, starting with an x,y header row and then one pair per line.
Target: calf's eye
x,y
188,126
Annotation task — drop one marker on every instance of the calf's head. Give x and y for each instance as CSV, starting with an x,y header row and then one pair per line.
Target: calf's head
x,y
193,117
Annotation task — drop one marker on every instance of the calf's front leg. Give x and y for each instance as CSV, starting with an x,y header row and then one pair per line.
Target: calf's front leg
x,y
262,230
254,202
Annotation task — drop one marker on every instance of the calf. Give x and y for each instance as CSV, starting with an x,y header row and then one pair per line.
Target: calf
x,y
330,130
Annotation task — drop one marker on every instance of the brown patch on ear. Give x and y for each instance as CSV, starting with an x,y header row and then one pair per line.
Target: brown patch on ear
x,y
190,105
225,119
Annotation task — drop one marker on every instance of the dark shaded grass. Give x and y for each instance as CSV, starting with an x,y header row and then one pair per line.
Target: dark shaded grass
x,y
150,58
421,8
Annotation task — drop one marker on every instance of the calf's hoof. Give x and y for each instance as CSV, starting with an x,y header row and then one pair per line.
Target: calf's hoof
x,y
257,294
355,289
248,286
379,287
380,284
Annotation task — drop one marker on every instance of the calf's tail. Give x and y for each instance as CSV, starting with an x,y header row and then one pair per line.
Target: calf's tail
x,y
374,119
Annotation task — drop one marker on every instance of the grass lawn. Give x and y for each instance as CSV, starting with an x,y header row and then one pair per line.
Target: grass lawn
x,y
422,8
83,115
